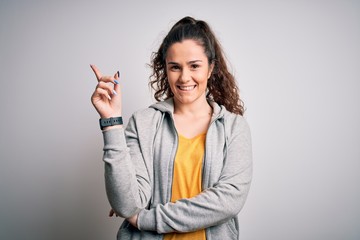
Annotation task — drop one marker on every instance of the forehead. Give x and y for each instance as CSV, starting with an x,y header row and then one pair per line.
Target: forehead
x,y
186,50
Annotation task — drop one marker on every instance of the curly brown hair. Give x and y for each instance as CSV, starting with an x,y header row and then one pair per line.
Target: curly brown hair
x,y
222,87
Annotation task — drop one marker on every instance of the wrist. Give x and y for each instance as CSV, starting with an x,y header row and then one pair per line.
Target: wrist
x,y
111,115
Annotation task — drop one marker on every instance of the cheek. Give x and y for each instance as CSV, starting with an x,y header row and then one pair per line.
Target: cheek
x,y
171,78
171,81
203,77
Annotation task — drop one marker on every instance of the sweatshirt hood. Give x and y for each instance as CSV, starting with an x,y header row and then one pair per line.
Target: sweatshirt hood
x,y
167,106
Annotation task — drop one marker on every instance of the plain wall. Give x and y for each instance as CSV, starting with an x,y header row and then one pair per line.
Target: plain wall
x,y
298,68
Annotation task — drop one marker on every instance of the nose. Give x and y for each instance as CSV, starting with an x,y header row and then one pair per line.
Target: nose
x,y
185,75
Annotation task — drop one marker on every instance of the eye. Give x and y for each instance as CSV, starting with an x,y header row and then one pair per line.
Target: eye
x,y
174,67
195,66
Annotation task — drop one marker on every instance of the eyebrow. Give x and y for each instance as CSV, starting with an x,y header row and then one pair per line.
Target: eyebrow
x,y
190,62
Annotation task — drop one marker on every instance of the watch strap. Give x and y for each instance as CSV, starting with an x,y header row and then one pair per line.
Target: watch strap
x,y
107,122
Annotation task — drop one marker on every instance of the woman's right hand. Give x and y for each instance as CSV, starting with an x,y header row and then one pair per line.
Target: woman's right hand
x,y
107,95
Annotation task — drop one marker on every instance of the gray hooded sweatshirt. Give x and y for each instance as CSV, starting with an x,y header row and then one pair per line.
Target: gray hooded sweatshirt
x,y
139,164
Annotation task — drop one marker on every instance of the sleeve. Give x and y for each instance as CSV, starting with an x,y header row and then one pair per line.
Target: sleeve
x,y
127,180
214,205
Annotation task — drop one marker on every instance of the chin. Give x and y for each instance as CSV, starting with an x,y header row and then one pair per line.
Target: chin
x,y
187,99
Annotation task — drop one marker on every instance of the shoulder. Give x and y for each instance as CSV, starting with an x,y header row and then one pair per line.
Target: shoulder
x,y
145,112
235,123
234,118
146,116
152,116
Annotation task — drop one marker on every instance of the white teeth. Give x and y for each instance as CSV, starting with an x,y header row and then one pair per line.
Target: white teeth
x,y
186,88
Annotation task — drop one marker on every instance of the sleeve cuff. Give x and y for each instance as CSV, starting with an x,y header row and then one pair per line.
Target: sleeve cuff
x,y
114,138
146,220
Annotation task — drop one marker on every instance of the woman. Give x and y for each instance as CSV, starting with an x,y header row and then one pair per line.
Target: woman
x,y
182,167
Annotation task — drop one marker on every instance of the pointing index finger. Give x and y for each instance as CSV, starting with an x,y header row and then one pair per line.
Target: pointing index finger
x,y
96,71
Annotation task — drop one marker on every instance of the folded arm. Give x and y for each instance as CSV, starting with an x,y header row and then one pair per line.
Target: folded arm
x,y
213,206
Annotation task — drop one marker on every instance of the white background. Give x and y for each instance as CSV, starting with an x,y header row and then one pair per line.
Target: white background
x,y
298,68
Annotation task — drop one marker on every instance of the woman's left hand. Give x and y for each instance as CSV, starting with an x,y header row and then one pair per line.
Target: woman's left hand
x,y
112,212
133,220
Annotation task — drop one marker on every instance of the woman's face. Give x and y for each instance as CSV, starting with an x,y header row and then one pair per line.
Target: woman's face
x,y
188,71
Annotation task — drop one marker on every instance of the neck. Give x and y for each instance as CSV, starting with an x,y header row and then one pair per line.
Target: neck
x,y
198,108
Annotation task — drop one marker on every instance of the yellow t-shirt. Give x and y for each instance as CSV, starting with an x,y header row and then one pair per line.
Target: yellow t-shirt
x,y
187,178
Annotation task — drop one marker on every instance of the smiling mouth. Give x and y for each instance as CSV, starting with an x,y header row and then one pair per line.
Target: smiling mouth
x,y
186,88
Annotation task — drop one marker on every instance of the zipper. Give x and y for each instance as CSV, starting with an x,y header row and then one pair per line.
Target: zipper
x,y
173,154
205,154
